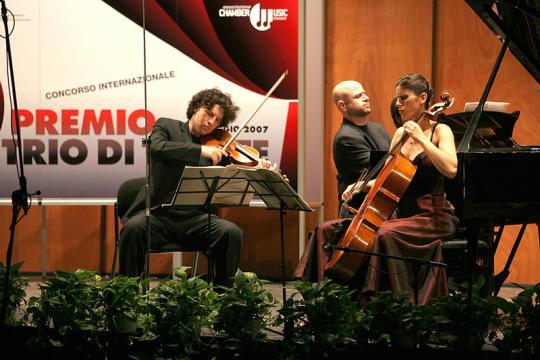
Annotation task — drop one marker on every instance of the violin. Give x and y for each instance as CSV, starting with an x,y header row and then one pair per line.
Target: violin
x,y
238,153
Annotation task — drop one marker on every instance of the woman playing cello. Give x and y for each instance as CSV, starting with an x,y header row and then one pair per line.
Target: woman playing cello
x,y
423,218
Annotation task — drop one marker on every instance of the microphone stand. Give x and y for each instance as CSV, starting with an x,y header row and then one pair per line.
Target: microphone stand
x,y
147,143
19,198
416,263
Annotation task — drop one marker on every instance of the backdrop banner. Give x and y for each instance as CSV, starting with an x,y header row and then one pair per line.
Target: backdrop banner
x,y
79,76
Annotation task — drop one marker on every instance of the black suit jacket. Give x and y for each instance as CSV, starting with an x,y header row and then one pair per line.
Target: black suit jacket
x,y
172,148
352,147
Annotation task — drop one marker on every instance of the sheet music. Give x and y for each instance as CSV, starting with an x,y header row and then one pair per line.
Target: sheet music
x,y
235,186
273,189
488,106
232,188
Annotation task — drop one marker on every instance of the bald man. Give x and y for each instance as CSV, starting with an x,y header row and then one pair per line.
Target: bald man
x,y
355,139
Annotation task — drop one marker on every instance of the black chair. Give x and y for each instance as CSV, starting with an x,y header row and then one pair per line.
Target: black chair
x,y
455,255
127,193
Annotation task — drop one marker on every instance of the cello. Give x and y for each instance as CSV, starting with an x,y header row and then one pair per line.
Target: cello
x,y
396,173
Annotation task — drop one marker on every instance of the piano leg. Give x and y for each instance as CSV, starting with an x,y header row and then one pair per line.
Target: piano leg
x,y
479,258
497,240
501,277
471,236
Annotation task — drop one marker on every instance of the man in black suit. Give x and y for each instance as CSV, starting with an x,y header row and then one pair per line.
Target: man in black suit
x,y
355,139
174,145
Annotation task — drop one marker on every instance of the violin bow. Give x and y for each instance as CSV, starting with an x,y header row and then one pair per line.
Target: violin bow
x,y
248,119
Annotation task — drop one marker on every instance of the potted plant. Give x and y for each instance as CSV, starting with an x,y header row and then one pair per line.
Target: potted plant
x,y
175,313
318,319
396,321
68,301
463,323
121,297
17,293
520,324
243,312
69,304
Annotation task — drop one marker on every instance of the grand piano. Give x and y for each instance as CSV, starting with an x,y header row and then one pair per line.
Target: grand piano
x,y
498,181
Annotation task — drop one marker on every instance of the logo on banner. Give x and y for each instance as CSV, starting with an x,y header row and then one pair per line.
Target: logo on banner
x,y
261,19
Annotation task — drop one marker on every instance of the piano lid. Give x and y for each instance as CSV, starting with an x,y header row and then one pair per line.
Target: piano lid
x,y
494,129
517,21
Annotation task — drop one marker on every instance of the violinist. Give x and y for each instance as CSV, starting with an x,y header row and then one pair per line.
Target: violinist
x,y
174,145
423,218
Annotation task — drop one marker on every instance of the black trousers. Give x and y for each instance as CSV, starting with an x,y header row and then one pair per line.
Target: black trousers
x,y
190,229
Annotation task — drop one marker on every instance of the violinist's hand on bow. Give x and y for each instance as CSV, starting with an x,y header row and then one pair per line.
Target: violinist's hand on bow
x,y
214,153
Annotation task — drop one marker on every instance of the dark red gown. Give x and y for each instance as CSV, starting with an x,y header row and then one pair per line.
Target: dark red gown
x,y
423,220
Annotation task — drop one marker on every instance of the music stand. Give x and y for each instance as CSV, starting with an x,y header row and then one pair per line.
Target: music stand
x,y
211,186
277,194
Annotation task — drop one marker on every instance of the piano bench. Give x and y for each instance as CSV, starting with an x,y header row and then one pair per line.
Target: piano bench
x,y
455,256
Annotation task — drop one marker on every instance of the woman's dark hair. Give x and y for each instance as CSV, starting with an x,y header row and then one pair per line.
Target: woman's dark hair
x,y
417,84
398,121
208,98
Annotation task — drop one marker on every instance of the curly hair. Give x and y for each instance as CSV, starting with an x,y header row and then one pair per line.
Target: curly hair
x,y
417,84
208,98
